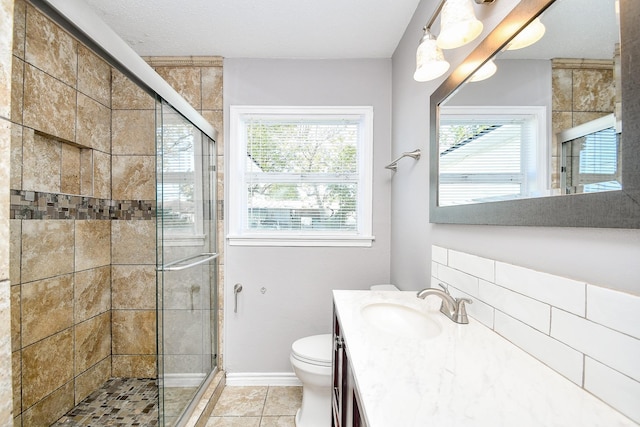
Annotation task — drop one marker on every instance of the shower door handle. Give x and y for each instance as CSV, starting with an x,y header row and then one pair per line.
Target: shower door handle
x,y
173,267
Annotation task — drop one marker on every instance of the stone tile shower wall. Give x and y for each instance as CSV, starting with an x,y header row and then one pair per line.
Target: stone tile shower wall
x,y
6,23
133,277
587,333
583,90
82,227
199,81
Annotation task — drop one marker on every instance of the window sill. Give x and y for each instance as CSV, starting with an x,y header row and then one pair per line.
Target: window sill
x,y
309,241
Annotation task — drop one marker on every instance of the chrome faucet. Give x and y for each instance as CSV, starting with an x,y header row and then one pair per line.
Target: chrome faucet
x,y
451,307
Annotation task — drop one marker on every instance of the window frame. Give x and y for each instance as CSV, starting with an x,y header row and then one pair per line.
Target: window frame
x,y
237,235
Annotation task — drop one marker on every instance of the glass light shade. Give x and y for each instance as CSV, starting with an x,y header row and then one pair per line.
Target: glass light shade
x,y
528,36
458,24
487,70
430,62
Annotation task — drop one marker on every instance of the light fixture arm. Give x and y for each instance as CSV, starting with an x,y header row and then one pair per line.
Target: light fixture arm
x,y
434,16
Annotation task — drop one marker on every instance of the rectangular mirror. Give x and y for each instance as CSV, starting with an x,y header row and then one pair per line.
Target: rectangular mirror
x,y
499,148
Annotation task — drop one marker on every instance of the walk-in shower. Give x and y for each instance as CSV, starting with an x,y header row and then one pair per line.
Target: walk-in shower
x,y
114,258
186,288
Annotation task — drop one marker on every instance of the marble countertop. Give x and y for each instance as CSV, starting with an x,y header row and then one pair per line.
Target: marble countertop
x,y
466,376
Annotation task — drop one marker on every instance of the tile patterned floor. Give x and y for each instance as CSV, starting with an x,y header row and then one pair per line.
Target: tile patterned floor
x,y
119,402
256,407
133,402
127,402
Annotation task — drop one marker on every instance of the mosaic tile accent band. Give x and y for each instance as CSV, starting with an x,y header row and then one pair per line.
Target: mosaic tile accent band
x,y
40,205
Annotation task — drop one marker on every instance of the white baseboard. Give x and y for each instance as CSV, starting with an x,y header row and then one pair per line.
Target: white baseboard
x,y
282,379
183,380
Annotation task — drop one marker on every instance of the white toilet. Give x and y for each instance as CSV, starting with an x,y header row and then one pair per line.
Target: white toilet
x,y
311,361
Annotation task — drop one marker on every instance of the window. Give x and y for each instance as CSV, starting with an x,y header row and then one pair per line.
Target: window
x,y
301,176
180,180
498,154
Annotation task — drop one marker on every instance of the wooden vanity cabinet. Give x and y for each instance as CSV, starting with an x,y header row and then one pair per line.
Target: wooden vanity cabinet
x,y
345,402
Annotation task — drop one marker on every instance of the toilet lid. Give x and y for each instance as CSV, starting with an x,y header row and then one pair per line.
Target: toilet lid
x,y
315,349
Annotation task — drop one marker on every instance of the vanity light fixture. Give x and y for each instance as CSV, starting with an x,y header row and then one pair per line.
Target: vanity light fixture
x,y
430,62
458,24
459,27
487,70
528,36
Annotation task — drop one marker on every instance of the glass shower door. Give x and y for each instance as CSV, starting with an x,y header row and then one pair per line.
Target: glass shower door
x,y
186,183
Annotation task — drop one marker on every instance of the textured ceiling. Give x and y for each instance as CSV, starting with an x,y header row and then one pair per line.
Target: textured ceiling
x,y
259,28
325,28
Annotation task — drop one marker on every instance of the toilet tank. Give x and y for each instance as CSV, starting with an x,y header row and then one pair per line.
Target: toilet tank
x,y
385,287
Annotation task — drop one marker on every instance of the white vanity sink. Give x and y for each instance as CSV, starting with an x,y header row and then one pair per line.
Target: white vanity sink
x,y
412,367
401,320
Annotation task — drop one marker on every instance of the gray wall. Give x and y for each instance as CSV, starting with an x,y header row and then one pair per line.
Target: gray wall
x,y
298,281
605,257
517,82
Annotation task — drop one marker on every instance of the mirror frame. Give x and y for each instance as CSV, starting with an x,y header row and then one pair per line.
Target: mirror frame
x,y
611,209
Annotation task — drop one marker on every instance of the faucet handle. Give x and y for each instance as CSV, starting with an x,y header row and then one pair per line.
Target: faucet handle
x,y
444,288
461,310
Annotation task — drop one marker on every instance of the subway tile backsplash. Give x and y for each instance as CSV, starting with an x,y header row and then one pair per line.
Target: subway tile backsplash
x,y
588,334
528,310
619,351
550,351
556,291
476,266
611,386
615,310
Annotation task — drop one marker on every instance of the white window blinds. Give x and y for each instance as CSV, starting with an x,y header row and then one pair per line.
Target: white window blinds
x,y
599,161
302,174
487,157
179,177
590,162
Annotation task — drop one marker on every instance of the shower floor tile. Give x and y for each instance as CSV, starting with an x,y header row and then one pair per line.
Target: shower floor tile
x,y
119,402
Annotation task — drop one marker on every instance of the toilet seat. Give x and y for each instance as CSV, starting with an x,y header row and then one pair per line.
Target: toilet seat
x,y
315,350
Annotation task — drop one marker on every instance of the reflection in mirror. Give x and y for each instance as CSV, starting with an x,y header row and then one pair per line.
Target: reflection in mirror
x,y
614,208
498,135
492,154
590,157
